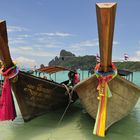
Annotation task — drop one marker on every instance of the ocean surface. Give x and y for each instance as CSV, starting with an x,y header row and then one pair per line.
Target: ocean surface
x,y
76,125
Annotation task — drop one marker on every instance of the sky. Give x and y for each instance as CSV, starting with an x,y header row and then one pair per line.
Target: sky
x,y
39,29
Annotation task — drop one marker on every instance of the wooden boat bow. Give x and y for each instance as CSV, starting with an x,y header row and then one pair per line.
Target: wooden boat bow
x,y
105,21
125,94
4,49
35,95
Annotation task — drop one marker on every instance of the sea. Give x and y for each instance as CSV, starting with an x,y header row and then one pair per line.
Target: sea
x,y
75,125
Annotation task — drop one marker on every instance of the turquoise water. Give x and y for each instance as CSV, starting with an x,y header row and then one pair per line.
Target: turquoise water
x,y
136,78
75,125
63,75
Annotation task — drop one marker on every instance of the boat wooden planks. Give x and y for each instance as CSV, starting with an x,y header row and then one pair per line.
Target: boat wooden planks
x,y
124,93
37,96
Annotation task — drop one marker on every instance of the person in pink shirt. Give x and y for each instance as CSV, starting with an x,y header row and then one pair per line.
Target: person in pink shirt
x,y
76,78
73,77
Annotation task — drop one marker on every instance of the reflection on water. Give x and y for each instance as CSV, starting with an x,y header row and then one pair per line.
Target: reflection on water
x,y
75,125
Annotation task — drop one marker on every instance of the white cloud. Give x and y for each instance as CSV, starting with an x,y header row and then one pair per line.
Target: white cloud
x,y
88,43
16,29
21,61
17,40
116,59
138,53
31,51
38,40
136,57
52,45
24,35
84,44
55,34
116,43
43,40
46,42
38,56
26,48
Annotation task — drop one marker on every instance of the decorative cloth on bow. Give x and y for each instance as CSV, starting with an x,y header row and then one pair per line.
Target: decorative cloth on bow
x,y
7,107
104,92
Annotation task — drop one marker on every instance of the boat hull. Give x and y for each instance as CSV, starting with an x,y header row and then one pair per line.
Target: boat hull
x,y
36,96
124,97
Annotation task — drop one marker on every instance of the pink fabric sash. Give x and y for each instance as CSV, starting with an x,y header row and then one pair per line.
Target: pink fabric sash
x,y
7,107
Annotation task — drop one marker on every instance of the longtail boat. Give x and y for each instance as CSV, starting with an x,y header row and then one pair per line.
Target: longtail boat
x,y
35,95
94,91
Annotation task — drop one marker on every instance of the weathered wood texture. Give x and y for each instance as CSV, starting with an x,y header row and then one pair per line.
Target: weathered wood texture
x,y
124,93
4,49
105,21
36,96
124,97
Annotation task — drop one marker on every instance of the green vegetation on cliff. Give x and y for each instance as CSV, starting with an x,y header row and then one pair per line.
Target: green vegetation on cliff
x,y
129,65
70,60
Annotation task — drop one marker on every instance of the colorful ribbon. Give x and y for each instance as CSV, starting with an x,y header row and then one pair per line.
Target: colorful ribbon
x,y
104,92
10,72
7,107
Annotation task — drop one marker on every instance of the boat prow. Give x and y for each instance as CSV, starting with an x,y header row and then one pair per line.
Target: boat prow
x,y
106,96
125,95
35,95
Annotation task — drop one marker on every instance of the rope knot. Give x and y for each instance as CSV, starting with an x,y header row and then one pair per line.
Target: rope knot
x,y
10,72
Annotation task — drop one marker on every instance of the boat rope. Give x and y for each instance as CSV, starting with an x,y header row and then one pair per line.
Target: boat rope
x,y
67,88
70,93
7,107
103,93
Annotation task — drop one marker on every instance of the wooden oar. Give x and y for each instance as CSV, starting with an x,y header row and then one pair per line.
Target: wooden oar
x,y
105,21
4,49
